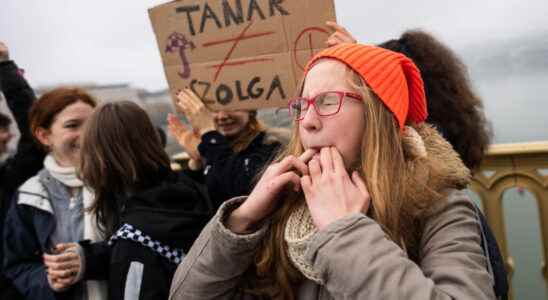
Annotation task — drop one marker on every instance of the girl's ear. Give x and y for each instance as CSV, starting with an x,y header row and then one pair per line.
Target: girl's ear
x,y
43,136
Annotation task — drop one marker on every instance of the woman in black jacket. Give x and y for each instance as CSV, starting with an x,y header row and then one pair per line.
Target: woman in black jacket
x,y
227,148
151,214
28,158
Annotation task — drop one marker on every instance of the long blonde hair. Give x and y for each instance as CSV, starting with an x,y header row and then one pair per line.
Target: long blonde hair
x,y
382,165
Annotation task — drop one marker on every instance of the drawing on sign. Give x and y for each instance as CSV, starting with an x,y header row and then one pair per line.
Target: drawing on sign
x,y
242,36
178,41
306,36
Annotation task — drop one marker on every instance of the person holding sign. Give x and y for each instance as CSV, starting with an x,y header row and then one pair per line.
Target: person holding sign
x,y
365,202
227,148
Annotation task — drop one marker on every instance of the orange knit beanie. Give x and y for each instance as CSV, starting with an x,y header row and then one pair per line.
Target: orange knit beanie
x,y
392,76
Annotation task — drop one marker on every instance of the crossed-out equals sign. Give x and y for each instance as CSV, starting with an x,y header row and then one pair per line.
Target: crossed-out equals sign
x,y
235,41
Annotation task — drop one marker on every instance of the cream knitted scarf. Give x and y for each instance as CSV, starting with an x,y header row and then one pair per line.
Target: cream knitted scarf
x,y
300,229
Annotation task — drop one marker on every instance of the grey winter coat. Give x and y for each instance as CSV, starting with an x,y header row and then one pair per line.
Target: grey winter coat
x,y
353,255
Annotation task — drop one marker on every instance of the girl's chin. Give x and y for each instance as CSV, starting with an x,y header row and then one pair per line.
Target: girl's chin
x,y
230,132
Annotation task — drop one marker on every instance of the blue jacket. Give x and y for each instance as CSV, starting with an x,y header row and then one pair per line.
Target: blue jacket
x,y
29,225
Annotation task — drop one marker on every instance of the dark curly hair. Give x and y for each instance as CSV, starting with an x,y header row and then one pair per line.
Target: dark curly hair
x,y
453,106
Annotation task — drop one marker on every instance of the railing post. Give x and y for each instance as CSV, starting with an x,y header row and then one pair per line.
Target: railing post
x,y
514,165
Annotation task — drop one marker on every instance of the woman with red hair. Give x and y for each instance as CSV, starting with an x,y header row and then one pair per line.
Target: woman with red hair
x,y
49,216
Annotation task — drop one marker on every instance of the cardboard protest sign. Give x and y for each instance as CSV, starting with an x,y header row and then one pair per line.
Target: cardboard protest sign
x,y
239,54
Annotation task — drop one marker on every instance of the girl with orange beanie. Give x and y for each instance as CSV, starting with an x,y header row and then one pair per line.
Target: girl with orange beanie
x,y
365,202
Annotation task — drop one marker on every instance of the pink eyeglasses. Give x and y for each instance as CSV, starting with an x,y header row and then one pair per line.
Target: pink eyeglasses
x,y
325,104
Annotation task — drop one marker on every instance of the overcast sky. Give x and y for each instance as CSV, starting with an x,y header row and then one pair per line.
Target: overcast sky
x,y
100,41
104,41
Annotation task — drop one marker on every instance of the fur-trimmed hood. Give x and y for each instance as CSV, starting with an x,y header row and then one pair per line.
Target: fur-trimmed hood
x,y
432,161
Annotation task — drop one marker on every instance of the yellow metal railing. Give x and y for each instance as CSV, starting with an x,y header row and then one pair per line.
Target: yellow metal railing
x,y
506,166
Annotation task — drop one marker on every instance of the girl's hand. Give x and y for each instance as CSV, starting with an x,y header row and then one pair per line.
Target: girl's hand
x,y
62,268
60,284
262,200
339,36
186,137
329,192
200,118
4,52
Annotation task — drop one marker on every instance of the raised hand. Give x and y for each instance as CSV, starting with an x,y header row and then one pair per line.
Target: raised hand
x,y
339,36
186,137
200,118
262,200
4,52
329,192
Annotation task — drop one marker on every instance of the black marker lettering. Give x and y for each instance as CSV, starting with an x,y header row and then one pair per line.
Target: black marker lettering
x,y
277,5
207,14
224,94
241,96
276,84
188,10
255,93
204,95
233,16
253,6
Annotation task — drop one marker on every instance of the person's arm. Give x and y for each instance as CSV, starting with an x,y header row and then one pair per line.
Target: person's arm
x,y
235,172
29,157
95,260
340,35
19,95
138,273
22,256
356,260
196,173
214,147
214,266
227,246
